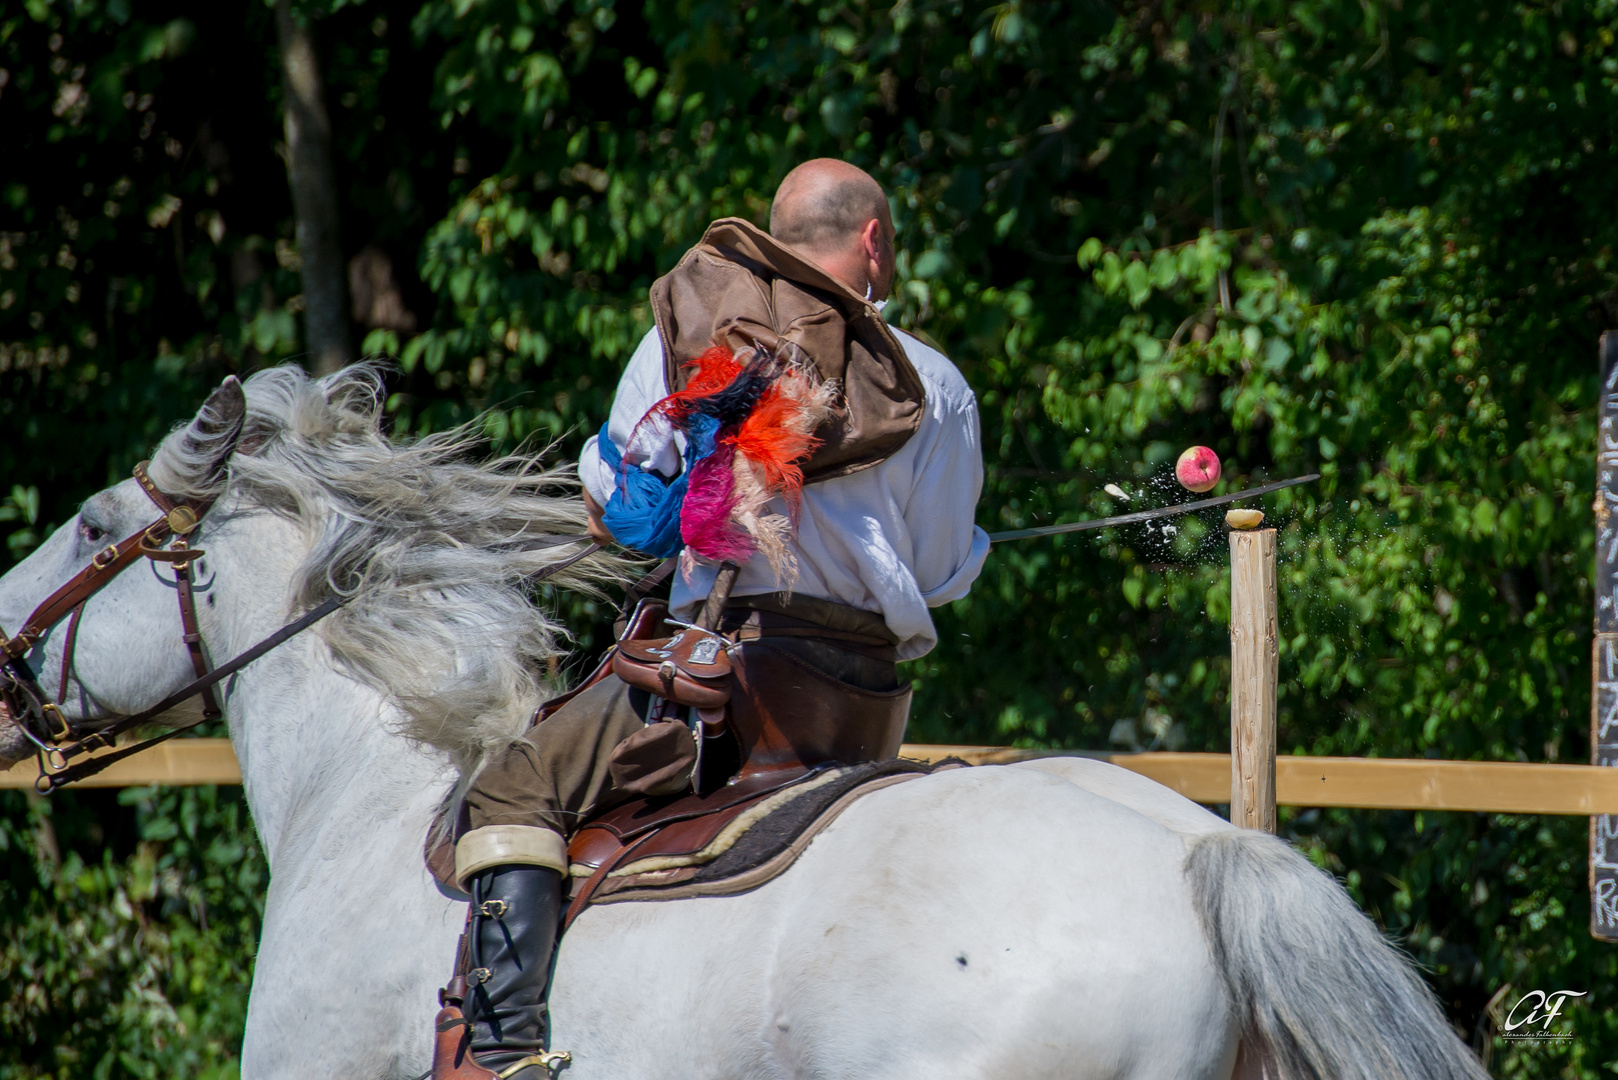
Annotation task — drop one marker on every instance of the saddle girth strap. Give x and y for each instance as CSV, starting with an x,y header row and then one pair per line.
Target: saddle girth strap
x,y
594,881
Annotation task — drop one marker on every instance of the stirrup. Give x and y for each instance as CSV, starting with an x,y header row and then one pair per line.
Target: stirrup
x,y
550,1061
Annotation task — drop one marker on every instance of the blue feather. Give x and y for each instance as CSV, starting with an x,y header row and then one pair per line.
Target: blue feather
x,y
644,511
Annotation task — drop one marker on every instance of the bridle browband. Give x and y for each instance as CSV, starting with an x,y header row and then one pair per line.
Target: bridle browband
x,y
56,742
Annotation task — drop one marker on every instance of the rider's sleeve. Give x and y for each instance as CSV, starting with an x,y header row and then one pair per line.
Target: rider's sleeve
x,y
949,547
641,387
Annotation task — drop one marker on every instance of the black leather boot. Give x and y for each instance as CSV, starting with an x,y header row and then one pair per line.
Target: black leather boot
x,y
515,914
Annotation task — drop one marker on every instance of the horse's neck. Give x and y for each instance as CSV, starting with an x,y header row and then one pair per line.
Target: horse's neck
x,y
321,762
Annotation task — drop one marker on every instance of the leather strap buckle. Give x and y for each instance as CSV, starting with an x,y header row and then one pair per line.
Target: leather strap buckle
x,y
177,557
104,559
55,722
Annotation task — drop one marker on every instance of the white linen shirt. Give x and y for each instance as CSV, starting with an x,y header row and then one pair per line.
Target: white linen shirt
x,y
896,538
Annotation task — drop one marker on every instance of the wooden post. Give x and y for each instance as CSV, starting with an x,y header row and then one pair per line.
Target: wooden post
x,y
1604,652
1254,669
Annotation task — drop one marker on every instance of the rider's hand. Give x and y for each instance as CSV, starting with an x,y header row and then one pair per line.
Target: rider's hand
x,y
598,530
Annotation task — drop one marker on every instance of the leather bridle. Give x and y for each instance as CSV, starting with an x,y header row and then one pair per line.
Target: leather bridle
x,y
40,716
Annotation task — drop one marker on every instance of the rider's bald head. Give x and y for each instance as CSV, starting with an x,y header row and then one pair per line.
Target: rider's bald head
x,y
824,203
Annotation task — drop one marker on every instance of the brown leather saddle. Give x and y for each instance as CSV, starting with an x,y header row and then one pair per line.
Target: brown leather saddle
x,y
667,834
793,742
722,843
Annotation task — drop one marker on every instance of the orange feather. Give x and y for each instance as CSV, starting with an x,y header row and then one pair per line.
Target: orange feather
x,y
775,443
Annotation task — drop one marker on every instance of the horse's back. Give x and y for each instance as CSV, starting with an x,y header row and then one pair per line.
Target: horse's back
x,y
977,922
1130,789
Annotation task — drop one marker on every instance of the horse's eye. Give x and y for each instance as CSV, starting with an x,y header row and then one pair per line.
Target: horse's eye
x,y
91,534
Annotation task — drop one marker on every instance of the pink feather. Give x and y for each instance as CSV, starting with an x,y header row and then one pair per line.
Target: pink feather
x,y
705,516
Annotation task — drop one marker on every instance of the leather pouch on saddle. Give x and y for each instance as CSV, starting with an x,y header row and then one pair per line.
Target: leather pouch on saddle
x,y
657,760
691,668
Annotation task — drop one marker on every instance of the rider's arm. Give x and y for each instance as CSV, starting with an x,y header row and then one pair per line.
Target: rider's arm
x,y
949,547
641,387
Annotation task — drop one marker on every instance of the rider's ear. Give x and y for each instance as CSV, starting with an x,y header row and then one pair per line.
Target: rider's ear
x,y
211,437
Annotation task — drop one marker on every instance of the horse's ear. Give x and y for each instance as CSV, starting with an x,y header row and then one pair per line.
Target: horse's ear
x,y
211,437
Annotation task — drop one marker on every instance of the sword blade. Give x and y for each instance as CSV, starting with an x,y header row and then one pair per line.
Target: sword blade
x,y
1150,515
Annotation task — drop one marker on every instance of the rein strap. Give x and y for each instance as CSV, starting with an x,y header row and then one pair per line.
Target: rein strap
x,y
52,777
51,780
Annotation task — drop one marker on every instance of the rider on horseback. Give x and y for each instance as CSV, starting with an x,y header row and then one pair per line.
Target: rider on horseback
x,y
881,531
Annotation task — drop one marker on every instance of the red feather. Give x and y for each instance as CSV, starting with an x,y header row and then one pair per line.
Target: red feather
x,y
713,371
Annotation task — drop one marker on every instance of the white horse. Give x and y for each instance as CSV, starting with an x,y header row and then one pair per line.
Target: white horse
x,y
1060,918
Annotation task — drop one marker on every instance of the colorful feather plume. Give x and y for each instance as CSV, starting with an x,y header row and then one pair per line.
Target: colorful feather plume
x,y
749,423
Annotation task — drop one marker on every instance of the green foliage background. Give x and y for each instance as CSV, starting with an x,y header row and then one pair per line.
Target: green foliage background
x,y
1407,205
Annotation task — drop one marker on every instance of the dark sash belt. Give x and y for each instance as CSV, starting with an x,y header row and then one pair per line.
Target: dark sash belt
x,y
781,615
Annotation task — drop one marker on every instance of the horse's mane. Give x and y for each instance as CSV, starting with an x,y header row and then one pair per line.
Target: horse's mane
x,y
433,548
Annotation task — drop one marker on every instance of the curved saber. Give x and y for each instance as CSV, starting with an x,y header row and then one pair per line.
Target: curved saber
x,y
1148,515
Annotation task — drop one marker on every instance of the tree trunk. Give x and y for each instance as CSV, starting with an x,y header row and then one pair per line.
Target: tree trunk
x,y
314,196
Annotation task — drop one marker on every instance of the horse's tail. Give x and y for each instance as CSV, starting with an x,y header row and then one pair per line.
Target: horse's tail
x,y
1316,985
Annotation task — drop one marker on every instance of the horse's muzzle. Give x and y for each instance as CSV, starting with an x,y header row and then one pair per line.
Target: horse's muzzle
x,y
14,744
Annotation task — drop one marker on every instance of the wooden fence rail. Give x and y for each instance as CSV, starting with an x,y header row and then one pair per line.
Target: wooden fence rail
x,y
1371,783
